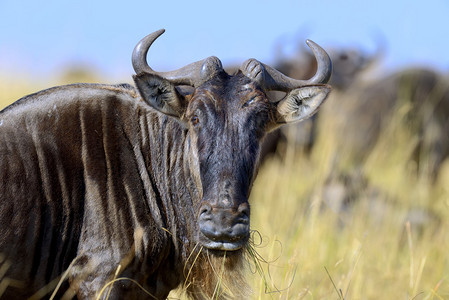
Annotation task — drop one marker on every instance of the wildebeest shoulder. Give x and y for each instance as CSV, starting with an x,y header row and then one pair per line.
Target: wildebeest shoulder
x,y
68,142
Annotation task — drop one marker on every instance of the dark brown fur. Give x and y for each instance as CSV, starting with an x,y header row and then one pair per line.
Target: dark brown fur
x,y
89,170
146,185
75,169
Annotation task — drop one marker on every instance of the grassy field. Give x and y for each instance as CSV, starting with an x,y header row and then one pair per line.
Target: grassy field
x,y
371,251
391,243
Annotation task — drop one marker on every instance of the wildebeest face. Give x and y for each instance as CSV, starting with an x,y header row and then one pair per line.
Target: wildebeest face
x,y
226,118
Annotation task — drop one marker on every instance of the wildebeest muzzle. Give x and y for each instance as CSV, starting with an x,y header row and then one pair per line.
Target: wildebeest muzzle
x,y
224,227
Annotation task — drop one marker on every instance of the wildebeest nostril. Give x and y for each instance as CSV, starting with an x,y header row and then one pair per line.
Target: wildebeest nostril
x,y
205,209
244,211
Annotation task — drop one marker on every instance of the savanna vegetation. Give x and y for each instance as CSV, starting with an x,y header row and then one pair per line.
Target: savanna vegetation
x,y
387,238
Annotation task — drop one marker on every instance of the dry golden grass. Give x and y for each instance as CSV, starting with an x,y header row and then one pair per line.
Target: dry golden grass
x,y
374,250
368,254
390,244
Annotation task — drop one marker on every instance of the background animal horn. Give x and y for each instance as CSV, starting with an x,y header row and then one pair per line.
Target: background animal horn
x,y
273,80
193,74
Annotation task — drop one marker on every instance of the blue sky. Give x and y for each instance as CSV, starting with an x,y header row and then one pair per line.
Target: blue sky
x,y
40,37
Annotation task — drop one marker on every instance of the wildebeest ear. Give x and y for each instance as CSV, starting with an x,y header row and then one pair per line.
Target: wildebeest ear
x,y
160,94
301,103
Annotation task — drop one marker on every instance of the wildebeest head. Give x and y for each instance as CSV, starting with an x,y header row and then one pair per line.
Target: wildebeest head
x,y
226,118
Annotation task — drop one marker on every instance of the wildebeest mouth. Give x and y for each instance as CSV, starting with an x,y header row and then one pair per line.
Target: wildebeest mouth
x,y
225,246
224,229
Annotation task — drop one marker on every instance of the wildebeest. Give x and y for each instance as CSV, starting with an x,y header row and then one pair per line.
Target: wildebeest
x,y
371,102
402,115
423,95
148,183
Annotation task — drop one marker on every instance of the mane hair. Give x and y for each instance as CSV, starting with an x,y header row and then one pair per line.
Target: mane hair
x,y
216,275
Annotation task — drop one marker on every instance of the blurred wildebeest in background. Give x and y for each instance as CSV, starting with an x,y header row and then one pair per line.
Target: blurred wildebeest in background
x,y
423,95
364,101
350,63
360,121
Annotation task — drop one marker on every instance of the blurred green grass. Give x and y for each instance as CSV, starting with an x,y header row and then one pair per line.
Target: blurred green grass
x,y
373,250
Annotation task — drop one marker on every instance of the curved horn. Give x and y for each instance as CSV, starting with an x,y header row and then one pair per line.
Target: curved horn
x,y
273,80
193,74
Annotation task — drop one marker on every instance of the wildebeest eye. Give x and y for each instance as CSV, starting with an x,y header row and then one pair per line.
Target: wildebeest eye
x,y
249,102
195,120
